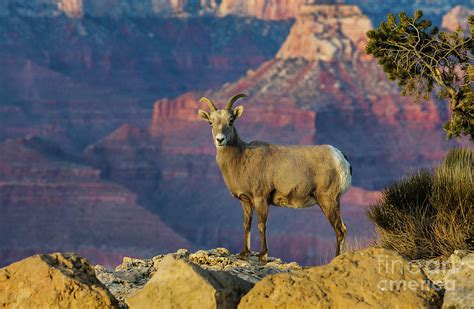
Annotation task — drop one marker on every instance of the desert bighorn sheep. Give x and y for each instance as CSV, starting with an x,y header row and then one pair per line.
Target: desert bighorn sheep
x,y
260,174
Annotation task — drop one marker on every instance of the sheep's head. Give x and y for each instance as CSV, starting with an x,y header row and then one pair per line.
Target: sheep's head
x,y
222,120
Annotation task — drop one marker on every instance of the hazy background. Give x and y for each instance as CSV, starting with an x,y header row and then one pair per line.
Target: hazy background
x,y
101,149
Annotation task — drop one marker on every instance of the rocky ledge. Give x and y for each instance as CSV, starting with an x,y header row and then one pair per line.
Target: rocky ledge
x,y
369,278
132,275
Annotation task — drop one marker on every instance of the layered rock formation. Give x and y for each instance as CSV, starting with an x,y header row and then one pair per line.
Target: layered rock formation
x,y
146,8
321,88
327,33
58,280
72,8
265,9
110,77
262,9
76,80
74,83
72,115
113,8
377,11
50,201
128,157
173,120
456,18
320,77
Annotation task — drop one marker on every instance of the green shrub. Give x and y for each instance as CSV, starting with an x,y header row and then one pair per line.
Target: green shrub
x,y
429,214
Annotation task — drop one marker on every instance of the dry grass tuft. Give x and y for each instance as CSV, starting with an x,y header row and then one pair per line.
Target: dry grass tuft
x,y
429,214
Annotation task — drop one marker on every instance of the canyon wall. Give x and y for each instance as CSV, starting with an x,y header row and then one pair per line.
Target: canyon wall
x,y
142,166
111,71
72,8
456,18
261,9
110,8
51,202
303,96
326,33
265,9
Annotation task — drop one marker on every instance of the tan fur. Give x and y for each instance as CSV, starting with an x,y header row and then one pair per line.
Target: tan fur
x,y
260,174
284,175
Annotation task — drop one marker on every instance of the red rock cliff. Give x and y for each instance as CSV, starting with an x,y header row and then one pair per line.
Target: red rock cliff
x,y
456,18
264,9
72,8
176,124
342,98
327,33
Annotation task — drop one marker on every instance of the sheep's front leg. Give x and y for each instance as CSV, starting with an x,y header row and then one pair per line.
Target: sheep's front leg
x,y
261,206
248,212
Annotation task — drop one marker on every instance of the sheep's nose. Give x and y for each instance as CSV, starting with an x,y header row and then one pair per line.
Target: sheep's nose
x,y
220,140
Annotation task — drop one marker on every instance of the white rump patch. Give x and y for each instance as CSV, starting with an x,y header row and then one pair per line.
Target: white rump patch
x,y
343,169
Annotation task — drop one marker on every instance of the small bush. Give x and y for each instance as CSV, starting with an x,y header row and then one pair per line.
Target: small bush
x,y
429,214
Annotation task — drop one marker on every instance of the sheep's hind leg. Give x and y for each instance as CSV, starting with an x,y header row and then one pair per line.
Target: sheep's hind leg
x,y
331,208
248,211
261,206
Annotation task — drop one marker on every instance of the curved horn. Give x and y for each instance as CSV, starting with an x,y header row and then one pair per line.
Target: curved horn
x,y
233,99
211,105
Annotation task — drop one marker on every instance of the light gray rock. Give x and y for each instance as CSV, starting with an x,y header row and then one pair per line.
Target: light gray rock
x,y
131,276
459,284
436,269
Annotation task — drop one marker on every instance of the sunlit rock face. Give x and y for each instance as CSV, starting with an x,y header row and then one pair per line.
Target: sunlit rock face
x,y
265,9
457,18
72,8
57,280
261,9
326,33
149,8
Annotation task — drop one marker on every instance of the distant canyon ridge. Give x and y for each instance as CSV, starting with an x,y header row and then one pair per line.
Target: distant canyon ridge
x,y
264,9
102,151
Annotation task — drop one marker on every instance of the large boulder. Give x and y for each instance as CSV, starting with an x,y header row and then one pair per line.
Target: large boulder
x,y
178,283
58,280
372,277
459,284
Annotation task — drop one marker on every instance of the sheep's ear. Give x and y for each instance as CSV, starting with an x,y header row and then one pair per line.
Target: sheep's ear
x,y
238,111
203,114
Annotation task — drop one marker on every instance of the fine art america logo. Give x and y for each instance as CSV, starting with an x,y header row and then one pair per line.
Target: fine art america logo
x,y
388,267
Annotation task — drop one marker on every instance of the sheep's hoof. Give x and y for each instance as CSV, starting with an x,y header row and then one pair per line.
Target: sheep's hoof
x,y
262,258
243,255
